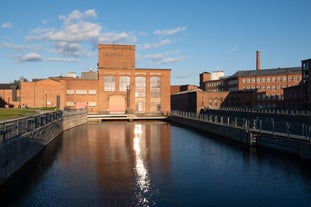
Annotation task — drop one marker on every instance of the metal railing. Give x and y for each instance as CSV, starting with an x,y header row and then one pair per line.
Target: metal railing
x,y
268,125
17,127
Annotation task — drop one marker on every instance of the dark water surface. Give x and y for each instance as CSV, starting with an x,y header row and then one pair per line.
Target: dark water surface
x,y
155,164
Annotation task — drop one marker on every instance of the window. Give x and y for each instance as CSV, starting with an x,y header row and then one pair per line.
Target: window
x,y
109,83
124,83
268,79
263,80
155,86
92,92
70,92
81,92
140,87
70,103
91,104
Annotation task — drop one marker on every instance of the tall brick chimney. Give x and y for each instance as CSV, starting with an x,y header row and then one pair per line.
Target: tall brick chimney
x,y
258,60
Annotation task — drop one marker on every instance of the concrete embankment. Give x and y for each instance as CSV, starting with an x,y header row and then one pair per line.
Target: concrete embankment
x,y
22,139
288,143
236,134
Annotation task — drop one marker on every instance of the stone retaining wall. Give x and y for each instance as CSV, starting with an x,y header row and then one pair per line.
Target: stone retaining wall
x,y
18,150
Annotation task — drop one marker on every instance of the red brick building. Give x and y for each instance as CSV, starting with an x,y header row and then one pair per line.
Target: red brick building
x,y
9,95
117,86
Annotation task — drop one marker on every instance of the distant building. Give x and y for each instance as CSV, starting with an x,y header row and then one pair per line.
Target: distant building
x,y
268,83
293,97
196,100
216,75
90,75
9,95
180,88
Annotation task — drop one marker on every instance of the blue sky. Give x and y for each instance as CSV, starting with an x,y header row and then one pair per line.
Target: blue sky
x,y
39,39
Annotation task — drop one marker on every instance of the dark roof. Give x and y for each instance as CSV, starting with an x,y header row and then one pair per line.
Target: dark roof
x,y
266,72
7,86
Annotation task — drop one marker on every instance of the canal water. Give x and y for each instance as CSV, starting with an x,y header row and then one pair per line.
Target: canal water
x,y
156,164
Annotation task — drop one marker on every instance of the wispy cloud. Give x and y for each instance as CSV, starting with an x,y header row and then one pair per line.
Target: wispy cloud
x,y
155,45
162,58
12,46
6,25
234,49
68,60
168,32
117,37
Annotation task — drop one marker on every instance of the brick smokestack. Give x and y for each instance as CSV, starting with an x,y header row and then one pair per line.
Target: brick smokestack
x,y
258,60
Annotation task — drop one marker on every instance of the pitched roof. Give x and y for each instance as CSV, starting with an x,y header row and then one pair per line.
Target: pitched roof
x,y
266,72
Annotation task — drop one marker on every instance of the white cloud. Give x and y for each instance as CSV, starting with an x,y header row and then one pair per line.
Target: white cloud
x,y
76,15
156,45
167,32
6,25
77,33
31,57
70,60
69,49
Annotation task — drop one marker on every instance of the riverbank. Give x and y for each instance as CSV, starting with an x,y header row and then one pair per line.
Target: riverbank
x,y
21,139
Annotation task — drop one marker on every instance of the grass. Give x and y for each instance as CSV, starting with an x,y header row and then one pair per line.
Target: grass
x,y
6,113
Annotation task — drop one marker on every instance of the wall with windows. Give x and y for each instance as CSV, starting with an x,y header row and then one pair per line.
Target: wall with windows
x,y
138,90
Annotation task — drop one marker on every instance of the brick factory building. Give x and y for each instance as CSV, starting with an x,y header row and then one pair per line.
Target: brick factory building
x,y
267,84
251,88
117,86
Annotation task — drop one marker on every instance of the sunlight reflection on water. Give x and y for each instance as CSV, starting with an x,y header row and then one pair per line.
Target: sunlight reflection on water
x,y
143,180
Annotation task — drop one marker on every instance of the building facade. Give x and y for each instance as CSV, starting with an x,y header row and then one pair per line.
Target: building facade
x,y
268,84
306,80
116,87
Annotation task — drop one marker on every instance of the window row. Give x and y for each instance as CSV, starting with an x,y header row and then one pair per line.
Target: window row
x,y
81,92
263,88
71,103
271,79
140,85
269,97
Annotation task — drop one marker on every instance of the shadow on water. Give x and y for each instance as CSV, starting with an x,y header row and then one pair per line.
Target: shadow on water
x,y
257,154
21,181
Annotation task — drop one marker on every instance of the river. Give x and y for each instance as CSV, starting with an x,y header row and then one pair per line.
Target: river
x,y
156,164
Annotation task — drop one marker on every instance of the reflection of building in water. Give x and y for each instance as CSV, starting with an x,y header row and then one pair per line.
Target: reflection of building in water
x,y
127,153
